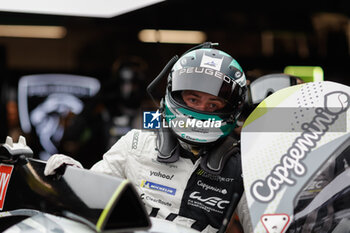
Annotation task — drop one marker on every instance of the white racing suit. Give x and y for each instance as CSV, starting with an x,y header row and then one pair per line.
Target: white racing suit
x,y
181,192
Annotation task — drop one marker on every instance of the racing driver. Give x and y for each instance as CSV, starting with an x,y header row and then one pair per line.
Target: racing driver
x,y
188,170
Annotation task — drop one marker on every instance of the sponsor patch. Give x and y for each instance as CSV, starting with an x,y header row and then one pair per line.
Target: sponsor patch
x,y
211,62
208,204
206,187
135,140
5,174
158,187
145,197
202,173
161,175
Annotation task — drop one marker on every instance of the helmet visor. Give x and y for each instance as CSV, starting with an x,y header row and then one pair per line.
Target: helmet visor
x,y
206,80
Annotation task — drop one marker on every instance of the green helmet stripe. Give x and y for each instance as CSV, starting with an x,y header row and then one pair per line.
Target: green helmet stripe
x,y
235,64
200,116
169,115
227,129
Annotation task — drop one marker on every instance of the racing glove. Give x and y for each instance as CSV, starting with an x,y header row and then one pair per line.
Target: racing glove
x,y
58,160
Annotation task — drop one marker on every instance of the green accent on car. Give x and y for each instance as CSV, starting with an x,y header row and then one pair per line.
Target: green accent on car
x,y
102,220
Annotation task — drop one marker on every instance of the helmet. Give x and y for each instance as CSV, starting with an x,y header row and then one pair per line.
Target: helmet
x,y
211,71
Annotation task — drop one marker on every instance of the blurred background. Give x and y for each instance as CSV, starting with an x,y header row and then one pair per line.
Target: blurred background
x,y
124,48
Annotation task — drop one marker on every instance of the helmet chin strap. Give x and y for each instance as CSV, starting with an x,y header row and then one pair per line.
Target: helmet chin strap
x,y
213,159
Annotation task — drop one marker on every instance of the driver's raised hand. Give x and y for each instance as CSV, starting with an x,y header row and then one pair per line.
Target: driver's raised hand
x,y
58,160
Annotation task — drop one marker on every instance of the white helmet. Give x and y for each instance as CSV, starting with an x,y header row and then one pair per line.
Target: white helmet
x,y
211,71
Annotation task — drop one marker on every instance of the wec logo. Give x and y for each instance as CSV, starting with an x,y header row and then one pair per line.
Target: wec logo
x,y
212,201
5,174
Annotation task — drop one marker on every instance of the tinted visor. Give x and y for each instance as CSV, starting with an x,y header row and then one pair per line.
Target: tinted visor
x,y
207,80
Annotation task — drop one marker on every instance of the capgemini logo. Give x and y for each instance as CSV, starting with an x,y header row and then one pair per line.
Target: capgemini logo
x,y
265,190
